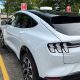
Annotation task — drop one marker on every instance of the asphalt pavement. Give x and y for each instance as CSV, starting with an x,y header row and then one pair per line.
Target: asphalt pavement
x,y
12,64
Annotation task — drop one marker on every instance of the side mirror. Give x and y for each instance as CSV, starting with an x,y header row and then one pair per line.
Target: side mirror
x,y
3,22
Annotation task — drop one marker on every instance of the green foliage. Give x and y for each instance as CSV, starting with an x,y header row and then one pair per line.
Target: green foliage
x,y
14,5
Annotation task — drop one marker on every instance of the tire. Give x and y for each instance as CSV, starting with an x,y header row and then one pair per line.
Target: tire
x,y
29,67
2,40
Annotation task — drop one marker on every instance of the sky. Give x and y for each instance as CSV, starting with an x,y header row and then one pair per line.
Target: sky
x,y
1,1
1,5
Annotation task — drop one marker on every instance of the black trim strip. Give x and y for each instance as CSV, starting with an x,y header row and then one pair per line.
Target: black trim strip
x,y
71,45
73,76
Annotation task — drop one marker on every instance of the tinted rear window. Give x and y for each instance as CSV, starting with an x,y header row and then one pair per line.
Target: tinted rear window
x,y
52,17
65,19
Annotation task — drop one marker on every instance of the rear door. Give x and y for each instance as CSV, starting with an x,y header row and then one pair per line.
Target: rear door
x,y
17,29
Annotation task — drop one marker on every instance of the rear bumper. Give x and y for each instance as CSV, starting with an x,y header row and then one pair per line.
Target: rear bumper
x,y
53,78
74,76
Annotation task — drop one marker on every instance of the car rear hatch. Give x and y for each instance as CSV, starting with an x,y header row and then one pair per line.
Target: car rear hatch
x,y
67,29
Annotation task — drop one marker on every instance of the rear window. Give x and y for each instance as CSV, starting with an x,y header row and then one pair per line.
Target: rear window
x,y
52,17
65,19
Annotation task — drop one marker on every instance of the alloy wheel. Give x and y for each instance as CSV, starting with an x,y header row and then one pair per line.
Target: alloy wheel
x,y
27,69
2,39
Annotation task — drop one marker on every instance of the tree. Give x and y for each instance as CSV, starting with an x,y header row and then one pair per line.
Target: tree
x,y
7,7
14,5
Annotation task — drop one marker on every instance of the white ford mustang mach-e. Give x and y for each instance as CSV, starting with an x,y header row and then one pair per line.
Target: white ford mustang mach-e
x,y
48,45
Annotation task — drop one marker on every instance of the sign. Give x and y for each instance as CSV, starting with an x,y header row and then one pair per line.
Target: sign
x,y
23,6
68,8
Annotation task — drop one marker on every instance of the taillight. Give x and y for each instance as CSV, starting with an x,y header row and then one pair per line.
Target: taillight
x,y
65,47
53,47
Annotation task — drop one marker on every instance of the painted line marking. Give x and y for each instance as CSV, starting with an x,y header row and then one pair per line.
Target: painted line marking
x,y
3,69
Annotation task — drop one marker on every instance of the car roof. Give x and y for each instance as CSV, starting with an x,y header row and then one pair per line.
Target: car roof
x,y
54,16
43,13
52,13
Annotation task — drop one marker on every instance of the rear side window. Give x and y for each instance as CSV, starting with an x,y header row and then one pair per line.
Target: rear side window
x,y
21,20
26,21
33,23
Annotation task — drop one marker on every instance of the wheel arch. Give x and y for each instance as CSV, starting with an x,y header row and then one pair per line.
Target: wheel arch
x,y
22,52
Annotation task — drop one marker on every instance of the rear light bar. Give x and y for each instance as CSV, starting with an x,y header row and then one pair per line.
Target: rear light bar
x,y
53,47
63,46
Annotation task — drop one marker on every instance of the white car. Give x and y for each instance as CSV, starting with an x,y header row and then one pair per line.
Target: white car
x,y
47,44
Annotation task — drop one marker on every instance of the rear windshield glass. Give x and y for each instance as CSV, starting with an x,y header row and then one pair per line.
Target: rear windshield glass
x,y
65,19
52,17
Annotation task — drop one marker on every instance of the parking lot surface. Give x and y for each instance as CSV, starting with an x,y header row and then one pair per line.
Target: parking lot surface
x,y
12,64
